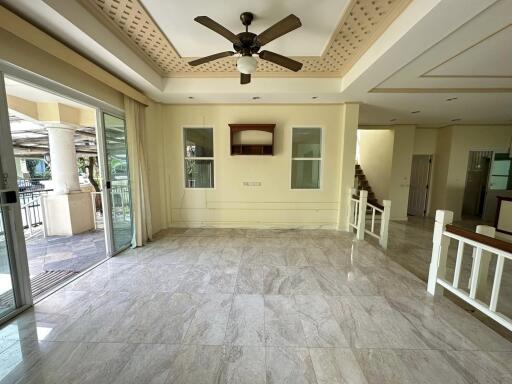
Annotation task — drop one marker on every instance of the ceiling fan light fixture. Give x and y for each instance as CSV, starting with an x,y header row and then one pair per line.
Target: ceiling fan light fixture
x,y
246,64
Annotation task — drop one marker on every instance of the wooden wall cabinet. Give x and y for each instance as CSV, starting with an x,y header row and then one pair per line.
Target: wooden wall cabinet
x,y
248,148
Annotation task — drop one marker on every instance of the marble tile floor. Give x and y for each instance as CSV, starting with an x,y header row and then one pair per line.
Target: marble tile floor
x,y
250,306
410,245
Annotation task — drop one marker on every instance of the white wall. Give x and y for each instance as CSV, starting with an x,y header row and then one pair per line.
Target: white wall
x,y
274,203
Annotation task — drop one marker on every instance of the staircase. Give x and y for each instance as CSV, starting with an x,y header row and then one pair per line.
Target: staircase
x,y
362,183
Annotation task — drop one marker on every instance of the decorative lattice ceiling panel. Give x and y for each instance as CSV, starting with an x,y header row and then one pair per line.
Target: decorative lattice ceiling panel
x,y
363,22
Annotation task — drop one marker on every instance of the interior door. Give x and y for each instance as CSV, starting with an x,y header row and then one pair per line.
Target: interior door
x,y
420,179
14,281
118,181
479,163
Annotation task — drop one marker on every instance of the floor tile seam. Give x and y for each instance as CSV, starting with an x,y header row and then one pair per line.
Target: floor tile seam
x,y
354,348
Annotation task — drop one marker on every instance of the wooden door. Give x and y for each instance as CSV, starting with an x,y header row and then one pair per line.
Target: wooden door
x,y
420,179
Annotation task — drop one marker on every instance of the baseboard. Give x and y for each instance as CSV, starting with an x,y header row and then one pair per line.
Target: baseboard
x,y
242,225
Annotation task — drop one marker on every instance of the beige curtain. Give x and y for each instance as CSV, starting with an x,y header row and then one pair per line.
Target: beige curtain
x,y
135,126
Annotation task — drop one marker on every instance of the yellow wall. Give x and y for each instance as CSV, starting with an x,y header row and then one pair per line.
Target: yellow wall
x,y
385,154
453,166
273,204
375,157
154,146
401,171
425,141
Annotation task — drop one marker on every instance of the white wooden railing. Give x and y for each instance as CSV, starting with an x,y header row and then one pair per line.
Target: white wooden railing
x,y
97,222
357,218
484,248
32,229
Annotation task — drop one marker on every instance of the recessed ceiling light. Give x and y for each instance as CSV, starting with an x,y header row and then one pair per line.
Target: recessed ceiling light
x,y
256,97
452,98
314,97
415,111
456,119
191,97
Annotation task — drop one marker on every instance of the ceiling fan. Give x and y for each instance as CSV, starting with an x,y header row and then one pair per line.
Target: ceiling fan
x,y
248,44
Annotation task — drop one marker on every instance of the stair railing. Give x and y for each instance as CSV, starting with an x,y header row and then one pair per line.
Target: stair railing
x,y
484,247
357,219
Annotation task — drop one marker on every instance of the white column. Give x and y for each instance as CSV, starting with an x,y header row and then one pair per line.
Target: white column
x,y
349,124
63,159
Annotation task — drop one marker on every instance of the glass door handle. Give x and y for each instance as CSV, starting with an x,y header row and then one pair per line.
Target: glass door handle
x,y
8,197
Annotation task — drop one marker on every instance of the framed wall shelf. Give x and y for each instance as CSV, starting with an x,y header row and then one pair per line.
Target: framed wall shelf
x,y
252,139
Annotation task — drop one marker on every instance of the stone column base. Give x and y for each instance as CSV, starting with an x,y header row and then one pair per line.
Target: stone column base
x,y
68,214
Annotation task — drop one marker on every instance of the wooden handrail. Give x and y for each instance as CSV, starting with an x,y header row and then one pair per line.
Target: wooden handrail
x,y
487,240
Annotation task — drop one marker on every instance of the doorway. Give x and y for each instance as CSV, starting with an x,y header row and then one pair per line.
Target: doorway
x,y
420,184
477,178
65,167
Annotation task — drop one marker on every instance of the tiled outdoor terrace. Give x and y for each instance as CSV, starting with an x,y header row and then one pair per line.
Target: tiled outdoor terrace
x,y
251,306
55,259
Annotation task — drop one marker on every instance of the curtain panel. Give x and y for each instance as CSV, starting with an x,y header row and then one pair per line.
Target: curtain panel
x,y
135,125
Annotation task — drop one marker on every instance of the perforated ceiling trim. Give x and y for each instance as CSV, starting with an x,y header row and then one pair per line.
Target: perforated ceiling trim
x,y
363,22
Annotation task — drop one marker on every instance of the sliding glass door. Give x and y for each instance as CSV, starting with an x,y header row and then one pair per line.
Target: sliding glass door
x,y
118,181
14,290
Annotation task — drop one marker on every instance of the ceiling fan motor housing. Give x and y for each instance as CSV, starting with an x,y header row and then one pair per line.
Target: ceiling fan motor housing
x,y
248,44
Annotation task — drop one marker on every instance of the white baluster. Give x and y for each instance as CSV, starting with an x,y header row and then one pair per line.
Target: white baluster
x,y
363,199
439,250
483,268
384,223
458,264
475,271
497,283
351,207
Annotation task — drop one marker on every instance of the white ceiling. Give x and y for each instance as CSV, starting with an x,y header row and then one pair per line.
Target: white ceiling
x,y
489,57
176,19
458,45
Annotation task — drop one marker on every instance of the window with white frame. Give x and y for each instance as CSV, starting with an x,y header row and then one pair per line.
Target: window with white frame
x,y
306,158
198,150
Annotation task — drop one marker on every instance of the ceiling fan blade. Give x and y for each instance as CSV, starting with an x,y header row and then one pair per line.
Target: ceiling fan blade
x,y
288,24
211,58
283,61
244,78
216,27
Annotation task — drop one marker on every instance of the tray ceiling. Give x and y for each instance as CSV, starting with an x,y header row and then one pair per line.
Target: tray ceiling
x,y
361,23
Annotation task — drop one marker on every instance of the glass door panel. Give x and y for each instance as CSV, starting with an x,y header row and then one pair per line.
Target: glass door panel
x,y
118,181
7,302
14,283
